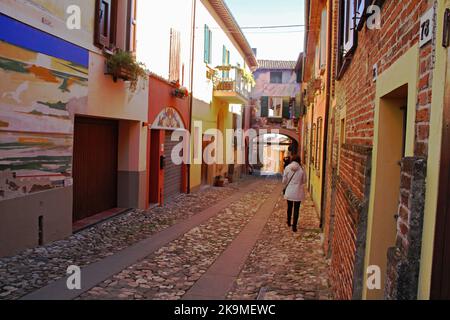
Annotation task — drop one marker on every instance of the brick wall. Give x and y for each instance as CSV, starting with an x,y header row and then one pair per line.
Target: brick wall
x,y
356,91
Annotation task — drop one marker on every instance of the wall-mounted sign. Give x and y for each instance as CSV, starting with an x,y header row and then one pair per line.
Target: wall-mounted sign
x,y
426,27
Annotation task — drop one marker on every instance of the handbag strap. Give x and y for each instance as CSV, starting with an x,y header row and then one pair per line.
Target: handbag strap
x,y
293,174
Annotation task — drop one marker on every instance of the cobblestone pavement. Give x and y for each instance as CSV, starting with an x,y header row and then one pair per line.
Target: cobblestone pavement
x,y
171,271
285,265
35,268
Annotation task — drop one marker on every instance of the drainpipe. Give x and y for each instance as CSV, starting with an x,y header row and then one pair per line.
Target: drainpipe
x,y
191,98
327,112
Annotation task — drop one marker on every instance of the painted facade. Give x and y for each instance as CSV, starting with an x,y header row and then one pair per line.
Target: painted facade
x,y
50,77
213,100
287,91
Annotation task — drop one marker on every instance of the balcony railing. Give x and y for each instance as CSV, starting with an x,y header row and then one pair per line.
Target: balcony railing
x,y
230,80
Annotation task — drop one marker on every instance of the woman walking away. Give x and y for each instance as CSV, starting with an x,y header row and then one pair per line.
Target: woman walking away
x,y
294,179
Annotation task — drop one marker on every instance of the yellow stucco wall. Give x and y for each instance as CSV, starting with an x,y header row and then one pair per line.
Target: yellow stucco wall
x,y
403,71
208,115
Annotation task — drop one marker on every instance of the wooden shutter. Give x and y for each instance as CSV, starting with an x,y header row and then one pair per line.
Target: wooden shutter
x,y
132,22
175,59
103,12
286,108
264,107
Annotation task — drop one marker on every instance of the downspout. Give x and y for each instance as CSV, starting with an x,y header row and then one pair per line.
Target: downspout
x,y
327,112
191,98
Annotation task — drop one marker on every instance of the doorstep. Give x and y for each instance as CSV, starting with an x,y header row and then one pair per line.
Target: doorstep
x,y
97,218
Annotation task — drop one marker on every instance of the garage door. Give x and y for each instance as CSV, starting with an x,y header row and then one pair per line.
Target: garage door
x,y
172,172
94,167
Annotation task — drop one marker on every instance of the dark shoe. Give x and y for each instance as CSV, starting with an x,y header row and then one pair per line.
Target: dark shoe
x,y
289,224
294,228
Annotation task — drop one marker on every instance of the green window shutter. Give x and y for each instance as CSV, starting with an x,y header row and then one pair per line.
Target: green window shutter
x,y
264,107
298,107
210,47
286,108
206,44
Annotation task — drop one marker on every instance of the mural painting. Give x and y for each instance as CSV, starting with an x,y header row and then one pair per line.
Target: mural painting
x,y
39,95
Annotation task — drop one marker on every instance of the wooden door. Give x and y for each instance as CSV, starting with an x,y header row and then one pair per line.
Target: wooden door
x,y
94,166
440,286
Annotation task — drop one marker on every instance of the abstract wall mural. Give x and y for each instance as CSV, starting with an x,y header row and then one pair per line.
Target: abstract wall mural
x,y
39,96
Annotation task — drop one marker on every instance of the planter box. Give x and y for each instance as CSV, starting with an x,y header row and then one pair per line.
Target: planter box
x,y
120,73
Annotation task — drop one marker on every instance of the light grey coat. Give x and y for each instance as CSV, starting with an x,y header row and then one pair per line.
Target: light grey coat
x,y
295,191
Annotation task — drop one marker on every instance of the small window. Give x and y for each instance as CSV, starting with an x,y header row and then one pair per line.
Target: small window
x,y
105,23
319,143
276,77
313,143
131,27
275,107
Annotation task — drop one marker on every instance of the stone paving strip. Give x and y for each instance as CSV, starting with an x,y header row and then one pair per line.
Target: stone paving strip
x,y
35,268
286,265
172,270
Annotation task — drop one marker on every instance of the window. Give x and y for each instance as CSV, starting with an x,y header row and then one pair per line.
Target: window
x,y
319,143
341,140
323,40
225,61
131,27
276,77
313,143
347,34
174,59
207,45
275,107
108,24
105,23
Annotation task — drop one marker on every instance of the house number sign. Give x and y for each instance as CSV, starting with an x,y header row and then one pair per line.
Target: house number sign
x,y
426,27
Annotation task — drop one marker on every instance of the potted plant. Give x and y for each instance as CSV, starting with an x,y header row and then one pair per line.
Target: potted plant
x,y
219,181
179,91
248,77
123,65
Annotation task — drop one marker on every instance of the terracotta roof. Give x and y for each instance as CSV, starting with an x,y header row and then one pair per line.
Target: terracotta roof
x,y
277,64
231,24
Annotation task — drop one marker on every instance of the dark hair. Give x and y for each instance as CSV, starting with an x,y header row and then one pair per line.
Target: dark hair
x,y
297,159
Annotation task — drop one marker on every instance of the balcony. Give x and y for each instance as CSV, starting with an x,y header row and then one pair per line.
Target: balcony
x,y
230,85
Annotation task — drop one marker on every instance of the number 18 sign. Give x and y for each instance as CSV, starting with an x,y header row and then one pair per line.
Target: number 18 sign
x,y
426,27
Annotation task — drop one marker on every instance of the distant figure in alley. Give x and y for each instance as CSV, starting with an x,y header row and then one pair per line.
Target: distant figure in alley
x,y
294,180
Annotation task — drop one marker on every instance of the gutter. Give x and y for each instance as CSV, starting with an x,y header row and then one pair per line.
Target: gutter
x,y
191,98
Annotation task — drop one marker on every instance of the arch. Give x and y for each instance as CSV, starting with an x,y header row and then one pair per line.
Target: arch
x,y
285,132
168,119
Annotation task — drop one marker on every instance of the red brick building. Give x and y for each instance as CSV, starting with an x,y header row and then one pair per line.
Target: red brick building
x,y
379,209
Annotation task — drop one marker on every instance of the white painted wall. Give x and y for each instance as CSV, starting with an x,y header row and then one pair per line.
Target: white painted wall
x,y
155,19
203,89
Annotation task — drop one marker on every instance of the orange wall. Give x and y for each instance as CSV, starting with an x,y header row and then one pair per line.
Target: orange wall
x,y
160,97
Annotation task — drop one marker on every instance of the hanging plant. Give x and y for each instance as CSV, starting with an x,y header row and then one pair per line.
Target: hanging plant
x,y
248,77
123,65
180,92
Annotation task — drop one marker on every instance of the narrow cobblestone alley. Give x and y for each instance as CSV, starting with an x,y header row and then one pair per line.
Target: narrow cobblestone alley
x,y
282,265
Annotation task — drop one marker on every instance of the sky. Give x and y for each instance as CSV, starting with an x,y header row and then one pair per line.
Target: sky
x,y
272,44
